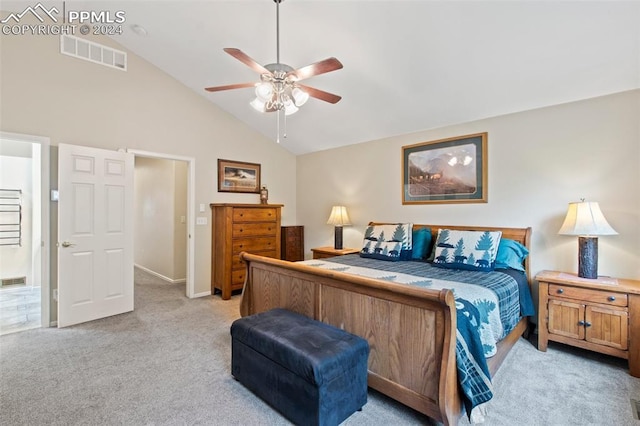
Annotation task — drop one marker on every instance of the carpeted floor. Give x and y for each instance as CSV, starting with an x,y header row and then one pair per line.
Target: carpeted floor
x,y
168,363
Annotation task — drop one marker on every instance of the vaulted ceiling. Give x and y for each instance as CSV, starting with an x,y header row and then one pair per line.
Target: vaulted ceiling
x,y
408,65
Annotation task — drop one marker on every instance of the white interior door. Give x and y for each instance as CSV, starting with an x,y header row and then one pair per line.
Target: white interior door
x,y
95,233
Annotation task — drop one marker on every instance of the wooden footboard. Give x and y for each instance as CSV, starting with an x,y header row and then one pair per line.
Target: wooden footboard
x,y
411,330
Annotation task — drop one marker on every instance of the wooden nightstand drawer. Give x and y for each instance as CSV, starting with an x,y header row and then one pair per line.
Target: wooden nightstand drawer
x,y
254,215
595,296
254,229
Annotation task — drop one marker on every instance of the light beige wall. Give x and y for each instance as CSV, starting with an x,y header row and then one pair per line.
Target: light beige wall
x,y
77,102
539,161
154,206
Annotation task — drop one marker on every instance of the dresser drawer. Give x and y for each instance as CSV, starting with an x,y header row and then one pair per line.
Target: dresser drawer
x,y
254,215
253,244
236,263
596,296
237,277
254,229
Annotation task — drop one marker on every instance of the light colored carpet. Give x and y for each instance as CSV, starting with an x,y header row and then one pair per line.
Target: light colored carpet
x,y
168,363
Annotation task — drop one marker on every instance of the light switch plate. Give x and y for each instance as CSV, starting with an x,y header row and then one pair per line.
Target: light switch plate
x,y
201,221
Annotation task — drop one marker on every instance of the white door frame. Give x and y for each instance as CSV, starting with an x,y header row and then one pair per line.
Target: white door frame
x,y
191,179
44,142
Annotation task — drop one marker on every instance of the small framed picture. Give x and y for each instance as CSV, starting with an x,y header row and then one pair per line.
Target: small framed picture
x,y
237,176
452,170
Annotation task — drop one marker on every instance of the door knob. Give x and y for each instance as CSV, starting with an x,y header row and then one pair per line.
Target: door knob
x,y
67,244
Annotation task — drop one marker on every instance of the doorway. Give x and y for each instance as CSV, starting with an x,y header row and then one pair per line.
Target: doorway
x,y
163,243
24,232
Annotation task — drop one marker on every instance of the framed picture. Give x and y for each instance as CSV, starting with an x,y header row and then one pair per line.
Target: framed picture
x,y
236,176
452,170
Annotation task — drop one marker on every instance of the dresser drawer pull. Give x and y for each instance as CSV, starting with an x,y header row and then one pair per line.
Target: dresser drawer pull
x,y
560,291
580,323
611,298
587,324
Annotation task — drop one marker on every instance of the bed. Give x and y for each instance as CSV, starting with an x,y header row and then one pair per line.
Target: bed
x,y
412,330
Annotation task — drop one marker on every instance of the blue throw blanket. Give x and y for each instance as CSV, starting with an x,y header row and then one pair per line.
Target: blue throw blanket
x,y
488,307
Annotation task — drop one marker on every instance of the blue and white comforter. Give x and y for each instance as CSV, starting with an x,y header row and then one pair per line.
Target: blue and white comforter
x,y
488,306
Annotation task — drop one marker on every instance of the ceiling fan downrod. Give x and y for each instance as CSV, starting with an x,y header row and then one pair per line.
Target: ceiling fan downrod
x,y
278,30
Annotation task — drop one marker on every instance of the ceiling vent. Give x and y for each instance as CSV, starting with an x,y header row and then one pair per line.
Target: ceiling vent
x,y
93,52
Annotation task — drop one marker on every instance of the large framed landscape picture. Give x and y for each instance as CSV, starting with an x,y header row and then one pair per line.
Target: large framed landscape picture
x,y
236,176
452,170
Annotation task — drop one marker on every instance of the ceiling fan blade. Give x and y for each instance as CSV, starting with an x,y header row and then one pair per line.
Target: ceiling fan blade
x,y
245,59
322,67
320,94
229,87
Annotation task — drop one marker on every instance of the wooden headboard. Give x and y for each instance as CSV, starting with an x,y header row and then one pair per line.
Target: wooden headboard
x,y
521,235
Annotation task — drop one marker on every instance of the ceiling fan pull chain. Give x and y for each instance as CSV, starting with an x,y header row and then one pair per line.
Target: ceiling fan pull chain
x,y
278,126
285,126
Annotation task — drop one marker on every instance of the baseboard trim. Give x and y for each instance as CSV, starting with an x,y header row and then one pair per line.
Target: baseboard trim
x,y
203,294
162,277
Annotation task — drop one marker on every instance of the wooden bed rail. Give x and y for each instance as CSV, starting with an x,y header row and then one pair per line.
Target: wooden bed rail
x,y
411,331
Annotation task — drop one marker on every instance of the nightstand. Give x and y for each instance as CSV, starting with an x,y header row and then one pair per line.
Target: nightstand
x,y
601,315
323,252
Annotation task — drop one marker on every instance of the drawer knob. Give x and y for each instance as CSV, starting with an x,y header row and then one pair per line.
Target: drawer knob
x,y
560,291
580,323
611,298
587,324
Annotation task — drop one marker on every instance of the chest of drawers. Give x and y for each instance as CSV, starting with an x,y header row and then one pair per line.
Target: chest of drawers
x,y
292,243
254,228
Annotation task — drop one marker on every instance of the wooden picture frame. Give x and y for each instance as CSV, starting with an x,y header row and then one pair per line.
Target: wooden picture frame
x,y
238,176
452,170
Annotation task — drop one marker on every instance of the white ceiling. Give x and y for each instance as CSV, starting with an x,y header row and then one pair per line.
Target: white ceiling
x,y
408,65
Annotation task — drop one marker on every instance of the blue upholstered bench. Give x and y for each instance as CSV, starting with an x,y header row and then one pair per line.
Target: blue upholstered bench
x,y
311,372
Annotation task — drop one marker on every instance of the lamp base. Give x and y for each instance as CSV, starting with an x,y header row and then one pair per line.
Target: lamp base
x,y
338,238
588,257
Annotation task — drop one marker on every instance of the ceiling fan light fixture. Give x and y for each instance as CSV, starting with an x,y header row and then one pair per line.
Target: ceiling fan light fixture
x,y
264,91
289,106
258,105
300,97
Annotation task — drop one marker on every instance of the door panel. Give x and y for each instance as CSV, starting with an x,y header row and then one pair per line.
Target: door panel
x,y
564,319
95,220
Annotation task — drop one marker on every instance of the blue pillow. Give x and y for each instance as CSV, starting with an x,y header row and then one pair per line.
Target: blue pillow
x,y
421,243
511,254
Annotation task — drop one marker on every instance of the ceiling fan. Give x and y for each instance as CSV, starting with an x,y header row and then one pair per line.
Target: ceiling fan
x,y
279,88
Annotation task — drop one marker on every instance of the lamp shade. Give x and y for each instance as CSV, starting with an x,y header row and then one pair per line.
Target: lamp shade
x,y
585,219
339,216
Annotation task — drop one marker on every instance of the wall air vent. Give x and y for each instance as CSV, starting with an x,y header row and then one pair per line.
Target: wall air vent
x,y
93,52
5,282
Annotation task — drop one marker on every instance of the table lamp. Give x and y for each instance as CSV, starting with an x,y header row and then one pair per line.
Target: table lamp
x,y
585,220
338,218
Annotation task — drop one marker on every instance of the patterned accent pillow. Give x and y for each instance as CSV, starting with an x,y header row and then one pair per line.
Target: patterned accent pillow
x,y
473,250
388,242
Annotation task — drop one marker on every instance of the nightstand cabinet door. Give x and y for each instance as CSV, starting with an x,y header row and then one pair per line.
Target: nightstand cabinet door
x,y
606,326
566,319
